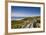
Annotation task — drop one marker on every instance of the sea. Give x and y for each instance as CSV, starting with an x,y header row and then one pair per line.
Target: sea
x,y
17,18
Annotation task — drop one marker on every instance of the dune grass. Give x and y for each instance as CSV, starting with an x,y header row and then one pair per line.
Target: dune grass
x,y
18,24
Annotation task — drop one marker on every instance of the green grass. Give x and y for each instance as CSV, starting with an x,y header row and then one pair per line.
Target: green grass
x,y
18,24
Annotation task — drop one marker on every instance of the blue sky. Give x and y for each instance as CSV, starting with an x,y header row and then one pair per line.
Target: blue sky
x,y
21,11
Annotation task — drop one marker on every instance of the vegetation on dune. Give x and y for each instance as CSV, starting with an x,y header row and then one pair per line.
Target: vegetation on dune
x,y
18,24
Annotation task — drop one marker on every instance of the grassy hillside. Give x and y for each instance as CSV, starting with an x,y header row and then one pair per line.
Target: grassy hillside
x,y
15,24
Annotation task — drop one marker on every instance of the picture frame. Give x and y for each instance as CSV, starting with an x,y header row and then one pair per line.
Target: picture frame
x,y
26,6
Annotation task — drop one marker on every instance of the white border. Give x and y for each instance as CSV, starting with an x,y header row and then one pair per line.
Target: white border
x,y
26,29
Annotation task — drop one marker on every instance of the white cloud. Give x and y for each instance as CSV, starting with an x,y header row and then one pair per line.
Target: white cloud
x,y
21,15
